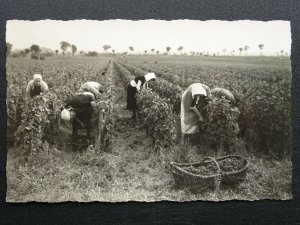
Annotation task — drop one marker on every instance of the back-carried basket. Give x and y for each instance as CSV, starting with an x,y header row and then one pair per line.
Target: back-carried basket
x,y
210,173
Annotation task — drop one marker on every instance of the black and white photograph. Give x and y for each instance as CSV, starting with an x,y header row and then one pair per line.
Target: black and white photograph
x,y
148,110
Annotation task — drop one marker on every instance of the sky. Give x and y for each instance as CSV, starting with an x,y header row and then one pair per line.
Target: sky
x,y
194,35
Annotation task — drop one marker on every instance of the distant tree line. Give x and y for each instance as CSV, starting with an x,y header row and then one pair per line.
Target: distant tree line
x,y
36,52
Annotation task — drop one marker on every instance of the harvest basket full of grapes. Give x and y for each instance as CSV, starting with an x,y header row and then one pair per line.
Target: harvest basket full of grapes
x,y
210,173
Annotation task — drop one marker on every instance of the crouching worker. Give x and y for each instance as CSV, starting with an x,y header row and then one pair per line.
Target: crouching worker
x,y
222,92
79,109
134,86
190,116
92,87
36,86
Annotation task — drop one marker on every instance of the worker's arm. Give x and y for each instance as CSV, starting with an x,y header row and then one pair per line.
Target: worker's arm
x,y
138,85
195,110
145,85
79,121
45,87
29,87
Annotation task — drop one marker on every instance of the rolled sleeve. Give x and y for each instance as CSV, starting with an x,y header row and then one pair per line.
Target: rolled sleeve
x,y
44,86
138,85
29,86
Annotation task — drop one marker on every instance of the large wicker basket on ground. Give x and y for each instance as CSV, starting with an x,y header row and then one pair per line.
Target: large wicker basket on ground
x,y
227,170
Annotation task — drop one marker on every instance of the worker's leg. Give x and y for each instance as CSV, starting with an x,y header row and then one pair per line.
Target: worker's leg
x,y
88,133
75,135
74,139
88,124
134,115
187,139
182,139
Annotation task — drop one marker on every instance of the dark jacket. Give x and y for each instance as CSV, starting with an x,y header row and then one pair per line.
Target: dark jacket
x,y
81,105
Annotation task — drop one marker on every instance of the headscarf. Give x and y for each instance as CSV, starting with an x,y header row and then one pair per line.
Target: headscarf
x,y
65,115
37,76
149,76
198,89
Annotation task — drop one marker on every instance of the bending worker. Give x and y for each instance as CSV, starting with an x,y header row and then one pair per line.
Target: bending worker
x,y
79,109
222,92
36,86
92,87
134,86
190,116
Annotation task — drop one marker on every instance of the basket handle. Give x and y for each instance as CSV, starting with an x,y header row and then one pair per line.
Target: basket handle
x,y
215,162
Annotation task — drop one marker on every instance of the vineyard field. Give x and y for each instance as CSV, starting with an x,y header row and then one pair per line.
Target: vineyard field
x,y
131,161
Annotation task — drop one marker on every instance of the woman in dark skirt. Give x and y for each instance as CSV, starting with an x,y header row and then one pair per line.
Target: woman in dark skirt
x,y
134,86
79,109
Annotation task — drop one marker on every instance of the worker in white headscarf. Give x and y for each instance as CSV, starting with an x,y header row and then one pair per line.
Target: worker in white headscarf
x,y
190,115
36,86
92,87
134,86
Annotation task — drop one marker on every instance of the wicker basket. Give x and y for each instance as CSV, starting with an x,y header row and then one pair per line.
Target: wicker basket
x,y
237,176
184,178
219,176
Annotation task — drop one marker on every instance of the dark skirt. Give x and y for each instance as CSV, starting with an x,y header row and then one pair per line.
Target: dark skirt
x,y
131,99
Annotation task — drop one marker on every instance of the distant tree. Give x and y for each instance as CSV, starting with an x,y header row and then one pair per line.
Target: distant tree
x,y
246,47
145,51
152,50
180,49
56,52
35,49
64,46
106,47
27,50
8,48
74,49
261,47
282,51
168,49
131,48
81,52
113,51
240,49
157,52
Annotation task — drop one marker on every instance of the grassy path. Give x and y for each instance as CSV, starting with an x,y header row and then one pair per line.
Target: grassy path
x,y
138,173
